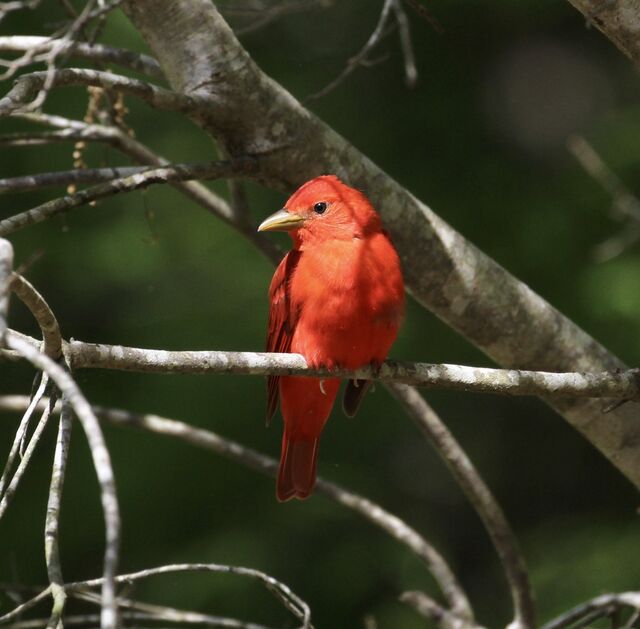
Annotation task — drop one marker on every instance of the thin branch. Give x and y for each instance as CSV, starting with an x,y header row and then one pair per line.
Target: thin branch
x,y
6,268
359,57
270,14
480,497
92,52
142,154
42,313
600,603
52,521
143,179
27,87
443,618
77,176
238,453
614,384
170,614
12,486
404,30
291,601
20,435
101,461
626,205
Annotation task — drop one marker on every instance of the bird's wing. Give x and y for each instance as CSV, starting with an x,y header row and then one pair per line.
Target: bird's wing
x,y
282,321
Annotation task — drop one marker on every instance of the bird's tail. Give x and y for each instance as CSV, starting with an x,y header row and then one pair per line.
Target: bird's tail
x,y
297,473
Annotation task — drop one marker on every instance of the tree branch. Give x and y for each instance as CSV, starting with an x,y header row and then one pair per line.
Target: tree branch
x,y
236,452
143,179
250,113
92,52
101,462
619,20
6,269
42,313
600,603
614,385
480,497
27,87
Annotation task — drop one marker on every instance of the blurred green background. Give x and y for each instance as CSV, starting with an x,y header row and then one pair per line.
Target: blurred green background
x,y
482,139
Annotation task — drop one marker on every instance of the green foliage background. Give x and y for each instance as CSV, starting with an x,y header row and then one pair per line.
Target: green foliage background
x,y
482,140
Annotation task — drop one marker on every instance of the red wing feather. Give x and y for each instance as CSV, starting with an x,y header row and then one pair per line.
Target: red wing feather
x,y
282,321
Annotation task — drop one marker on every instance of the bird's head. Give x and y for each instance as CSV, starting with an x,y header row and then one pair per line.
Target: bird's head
x,y
324,209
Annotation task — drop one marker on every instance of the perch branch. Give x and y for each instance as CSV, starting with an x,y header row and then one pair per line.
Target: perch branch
x,y
143,179
242,455
614,385
443,618
101,461
480,497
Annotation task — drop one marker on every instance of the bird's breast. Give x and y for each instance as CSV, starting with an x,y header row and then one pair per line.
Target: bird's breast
x,y
349,298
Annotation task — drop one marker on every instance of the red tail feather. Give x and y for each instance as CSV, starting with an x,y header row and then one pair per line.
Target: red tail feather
x,y
297,473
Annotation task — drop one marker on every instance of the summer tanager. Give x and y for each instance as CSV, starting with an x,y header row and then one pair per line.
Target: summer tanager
x,y
337,298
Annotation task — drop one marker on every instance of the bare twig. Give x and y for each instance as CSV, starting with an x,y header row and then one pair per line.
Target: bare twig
x,y
609,384
480,497
92,52
147,611
28,86
143,179
238,453
41,312
6,268
425,14
270,14
443,618
52,521
361,56
282,592
625,206
410,69
116,137
101,461
12,486
600,603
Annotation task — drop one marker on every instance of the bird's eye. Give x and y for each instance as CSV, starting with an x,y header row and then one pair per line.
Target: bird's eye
x,y
320,207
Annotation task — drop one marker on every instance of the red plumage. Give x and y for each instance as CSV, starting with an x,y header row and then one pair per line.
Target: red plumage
x,y
337,298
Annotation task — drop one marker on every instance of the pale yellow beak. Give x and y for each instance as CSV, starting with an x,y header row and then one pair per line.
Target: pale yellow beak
x,y
283,220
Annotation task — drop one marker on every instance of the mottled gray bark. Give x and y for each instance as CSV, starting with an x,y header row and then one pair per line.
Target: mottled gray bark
x,y
619,20
250,113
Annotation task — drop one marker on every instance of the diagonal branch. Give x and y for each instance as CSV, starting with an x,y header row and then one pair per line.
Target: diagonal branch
x,y
36,46
599,604
480,497
619,20
101,462
250,113
143,179
27,87
238,453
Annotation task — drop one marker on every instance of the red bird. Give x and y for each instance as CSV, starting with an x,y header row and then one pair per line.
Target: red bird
x,y
337,298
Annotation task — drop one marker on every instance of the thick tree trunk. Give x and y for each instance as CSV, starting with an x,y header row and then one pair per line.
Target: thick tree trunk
x,y
447,274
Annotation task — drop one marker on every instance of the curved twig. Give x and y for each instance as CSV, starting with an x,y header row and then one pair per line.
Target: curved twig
x,y
101,461
27,87
480,497
41,312
143,179
600,603
92,52
208,440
